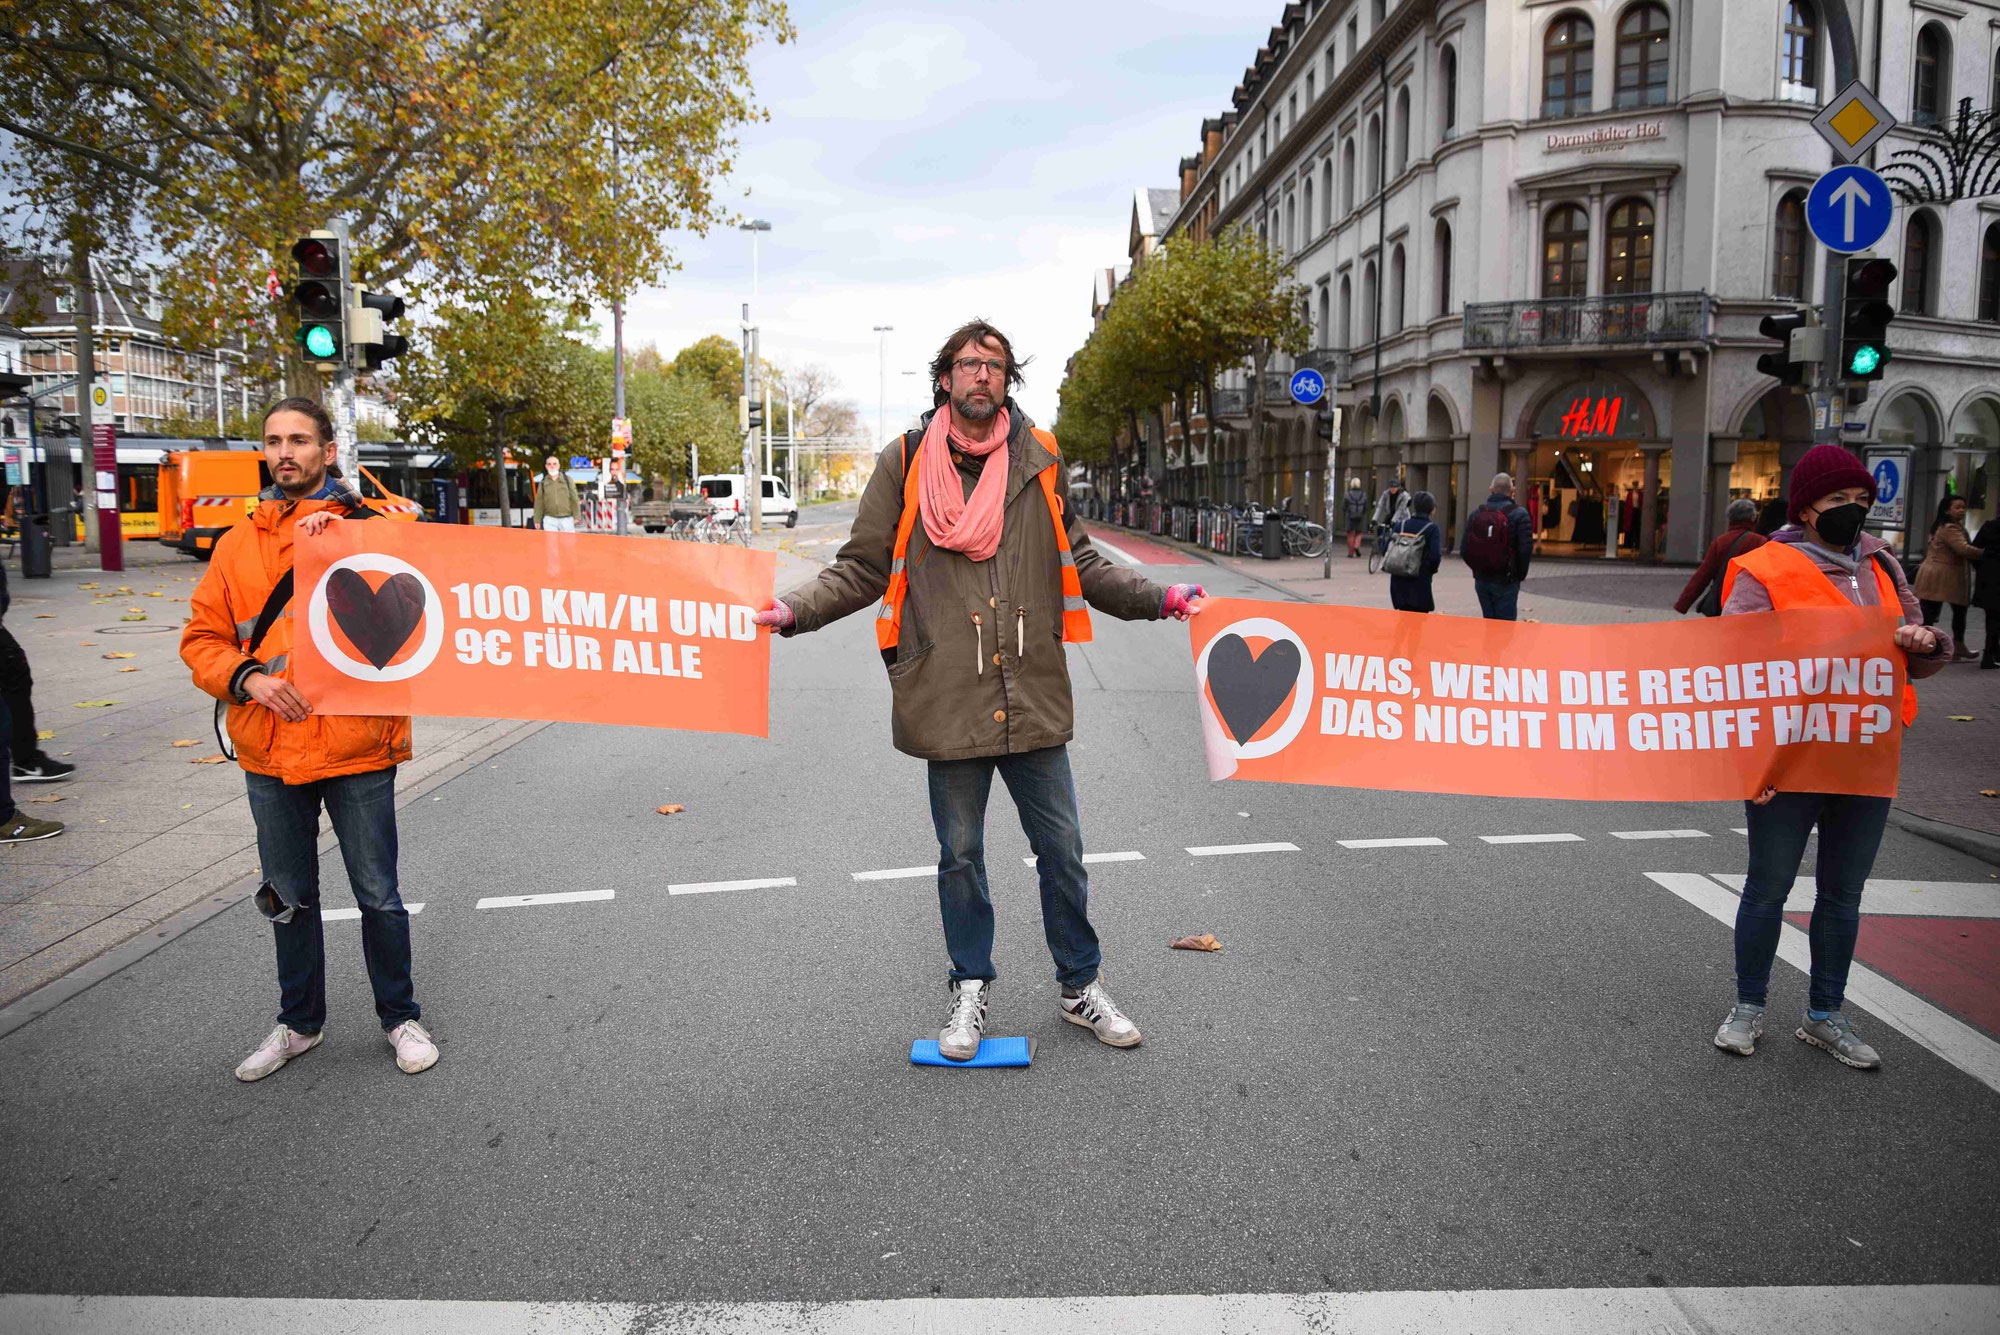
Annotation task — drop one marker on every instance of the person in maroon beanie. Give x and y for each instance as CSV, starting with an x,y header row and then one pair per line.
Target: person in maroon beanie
x,y
1820,559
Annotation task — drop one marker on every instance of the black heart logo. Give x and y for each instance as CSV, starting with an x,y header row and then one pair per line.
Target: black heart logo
x,y
1248,689
378,622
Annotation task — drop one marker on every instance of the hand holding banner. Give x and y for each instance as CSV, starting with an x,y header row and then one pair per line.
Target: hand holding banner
x,y
1804,701
501,623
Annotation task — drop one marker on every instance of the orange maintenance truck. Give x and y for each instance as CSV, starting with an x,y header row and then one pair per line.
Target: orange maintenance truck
x,y
204,493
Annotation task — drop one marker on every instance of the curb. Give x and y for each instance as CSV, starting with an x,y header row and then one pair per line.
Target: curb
x,y
32,1006
1975,843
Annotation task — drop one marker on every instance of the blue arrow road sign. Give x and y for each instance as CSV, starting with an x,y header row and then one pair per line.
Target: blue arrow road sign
x,y
1848,209
1308,386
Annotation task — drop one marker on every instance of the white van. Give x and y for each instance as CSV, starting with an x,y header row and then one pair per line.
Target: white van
x,y
725,491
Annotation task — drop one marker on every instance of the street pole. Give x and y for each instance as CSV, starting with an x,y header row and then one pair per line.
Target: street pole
x,y
346,439
1828,410
882,381
756,450
618,402
747,468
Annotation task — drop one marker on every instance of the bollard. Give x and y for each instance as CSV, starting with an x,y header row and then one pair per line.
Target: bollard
x,y
35,558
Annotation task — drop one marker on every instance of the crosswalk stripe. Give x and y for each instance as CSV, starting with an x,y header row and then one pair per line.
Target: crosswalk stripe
x,y
1102,857
1659,834
562,897
1531,838
1224,850
712,887
896,873
354,914
1392,843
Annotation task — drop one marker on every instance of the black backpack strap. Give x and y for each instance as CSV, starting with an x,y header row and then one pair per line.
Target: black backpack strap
x,y
274,606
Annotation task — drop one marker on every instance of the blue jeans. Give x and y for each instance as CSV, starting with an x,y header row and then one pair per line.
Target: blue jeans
x,y
1850,830
362,808
1499,599
1046,797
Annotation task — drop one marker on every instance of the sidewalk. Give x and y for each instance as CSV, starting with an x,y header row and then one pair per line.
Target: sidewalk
x,y
1945,762
151,829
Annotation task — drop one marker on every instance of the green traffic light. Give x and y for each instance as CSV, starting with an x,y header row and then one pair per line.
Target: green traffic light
x,y
1865,360
320,342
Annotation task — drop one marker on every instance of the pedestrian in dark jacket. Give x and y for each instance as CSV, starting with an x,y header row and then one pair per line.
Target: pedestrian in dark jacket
x,y
1986,588
1412,593
1742,537
1498,546
1354,510
21,758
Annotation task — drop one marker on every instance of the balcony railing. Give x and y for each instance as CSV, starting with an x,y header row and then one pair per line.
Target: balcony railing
x,y
1331,363
1232,403
1570,322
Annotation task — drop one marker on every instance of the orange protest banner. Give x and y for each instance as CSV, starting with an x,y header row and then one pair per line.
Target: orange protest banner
x,y
1806,701
506,623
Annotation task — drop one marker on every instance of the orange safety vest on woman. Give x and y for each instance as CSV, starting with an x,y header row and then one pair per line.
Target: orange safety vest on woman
x,y
889,620
1794,580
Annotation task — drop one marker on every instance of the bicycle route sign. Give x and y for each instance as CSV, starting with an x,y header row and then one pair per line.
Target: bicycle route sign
x,y
1308,386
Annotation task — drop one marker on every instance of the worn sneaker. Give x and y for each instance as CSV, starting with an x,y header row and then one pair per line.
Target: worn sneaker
x,y
414,1050
1836,1034
19,829
1740,1032
1094,1009
959,1039
283,1044
44,770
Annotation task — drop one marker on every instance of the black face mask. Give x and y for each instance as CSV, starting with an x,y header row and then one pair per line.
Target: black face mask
x,y
1842,524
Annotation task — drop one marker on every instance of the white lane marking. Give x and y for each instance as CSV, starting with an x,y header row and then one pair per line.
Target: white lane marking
x,y
1924,1024
522,901
1739,829
711,887
1531,838
353,915
1886,895
1659,834
1223,850
1941,1309
1103,857
1426,842
1114,551
896,873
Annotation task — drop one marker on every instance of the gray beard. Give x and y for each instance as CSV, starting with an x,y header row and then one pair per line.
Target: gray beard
x,y
973,412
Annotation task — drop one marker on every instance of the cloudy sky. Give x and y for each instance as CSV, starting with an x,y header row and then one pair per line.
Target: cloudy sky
x,y
925,164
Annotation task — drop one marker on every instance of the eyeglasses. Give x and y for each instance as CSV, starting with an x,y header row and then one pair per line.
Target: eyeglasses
x,y
973,365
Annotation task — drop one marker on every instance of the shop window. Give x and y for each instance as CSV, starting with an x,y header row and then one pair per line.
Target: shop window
x,y
1791,254
1919,253
1448,79
1642,57
1565,251
1930,88
1798,58
1443,267
1989,274
1566,57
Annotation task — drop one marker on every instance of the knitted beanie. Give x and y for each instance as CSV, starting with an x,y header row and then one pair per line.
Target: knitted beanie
x,y
1825,469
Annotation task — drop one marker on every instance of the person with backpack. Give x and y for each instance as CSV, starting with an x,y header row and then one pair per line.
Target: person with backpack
x,y
1498,546
1704,587
238,643
1354,509
1416,550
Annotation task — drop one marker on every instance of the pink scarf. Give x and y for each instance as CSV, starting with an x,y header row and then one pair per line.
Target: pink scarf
x,y
968,526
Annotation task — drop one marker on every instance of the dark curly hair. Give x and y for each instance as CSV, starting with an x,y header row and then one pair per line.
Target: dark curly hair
x,y
973,331
321,418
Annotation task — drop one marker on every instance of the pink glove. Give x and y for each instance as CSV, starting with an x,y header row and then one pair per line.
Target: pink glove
x,y
778,614
1180,603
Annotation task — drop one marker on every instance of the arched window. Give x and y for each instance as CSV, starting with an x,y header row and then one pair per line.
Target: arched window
x,y
1628,247
1290,236
1326,194
1402,130
1566,66
1799,59
1919,248
1448,79
1398,274
1791,254
1346,328
1989,274
1931,87
1642,57
1323,331
1372,182
1443,267
1565,251
1348,199
1368,302
1306,214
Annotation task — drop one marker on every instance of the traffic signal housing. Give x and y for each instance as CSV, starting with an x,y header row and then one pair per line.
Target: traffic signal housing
x,y
1779,365
374,343
1864,330
320,300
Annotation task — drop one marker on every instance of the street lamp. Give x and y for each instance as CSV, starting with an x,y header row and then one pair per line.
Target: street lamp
x,y
882,381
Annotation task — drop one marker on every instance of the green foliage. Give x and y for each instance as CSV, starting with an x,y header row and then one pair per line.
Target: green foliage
x,y
715,362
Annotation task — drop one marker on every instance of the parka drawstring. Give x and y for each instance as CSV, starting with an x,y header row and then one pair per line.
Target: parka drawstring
x,y
979,642
1020,632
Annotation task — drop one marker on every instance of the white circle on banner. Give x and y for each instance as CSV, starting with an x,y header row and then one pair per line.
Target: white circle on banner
x,y
1302,692
322,633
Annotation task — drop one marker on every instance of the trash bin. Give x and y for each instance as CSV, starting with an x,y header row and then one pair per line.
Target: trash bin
x,y
34,549
1274,536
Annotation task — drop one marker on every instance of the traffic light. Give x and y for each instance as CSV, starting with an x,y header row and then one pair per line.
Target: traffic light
x,y
375,344
1323,424
756,414
317,295
1780,364
1864,332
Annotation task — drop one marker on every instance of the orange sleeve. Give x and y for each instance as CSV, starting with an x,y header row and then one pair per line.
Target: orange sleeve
x,y
208,642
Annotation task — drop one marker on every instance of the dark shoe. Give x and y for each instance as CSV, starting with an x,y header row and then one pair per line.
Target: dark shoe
x,y
44,770
19,829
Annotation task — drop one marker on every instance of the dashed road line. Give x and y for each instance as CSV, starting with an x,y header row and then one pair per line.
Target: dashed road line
x,y
1659,834
354,915
1425,842
713,887
896,873
1531,838
1224,850
1102,857
562,897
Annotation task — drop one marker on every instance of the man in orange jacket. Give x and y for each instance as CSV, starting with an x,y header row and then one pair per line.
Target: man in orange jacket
x,y
238,643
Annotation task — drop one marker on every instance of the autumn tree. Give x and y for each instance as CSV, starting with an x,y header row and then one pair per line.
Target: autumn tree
x,y
714,361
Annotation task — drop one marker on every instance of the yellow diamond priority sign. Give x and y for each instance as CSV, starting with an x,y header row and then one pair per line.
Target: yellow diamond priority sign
x,y
1852,121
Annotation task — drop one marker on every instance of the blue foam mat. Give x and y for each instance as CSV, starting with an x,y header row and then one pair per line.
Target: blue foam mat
x,y
992,1052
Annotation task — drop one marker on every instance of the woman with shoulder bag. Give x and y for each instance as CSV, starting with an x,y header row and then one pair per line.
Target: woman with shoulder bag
x,y
1416,549
1946,574
1704,587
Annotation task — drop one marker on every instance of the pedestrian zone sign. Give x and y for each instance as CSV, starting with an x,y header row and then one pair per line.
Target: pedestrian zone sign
x,y
1852,121
1849,208
1308,386
1888,510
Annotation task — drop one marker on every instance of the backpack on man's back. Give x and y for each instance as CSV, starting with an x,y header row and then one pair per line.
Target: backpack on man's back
x,y
1489,542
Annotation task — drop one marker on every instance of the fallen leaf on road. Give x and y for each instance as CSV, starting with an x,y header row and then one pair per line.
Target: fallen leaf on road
x,y
122,589
1959,718
128,669
216,759
187,743
91,585
45,736
1205,941
118,655
45,616
671,809
162,595
94,704
133,616
86,644
45,799
1989,792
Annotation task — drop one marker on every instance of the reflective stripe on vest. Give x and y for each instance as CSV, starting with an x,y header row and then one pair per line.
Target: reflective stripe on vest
x,y
1795,580
889,618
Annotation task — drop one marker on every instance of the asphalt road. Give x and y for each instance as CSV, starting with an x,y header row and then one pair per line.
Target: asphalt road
x,y
1450,1067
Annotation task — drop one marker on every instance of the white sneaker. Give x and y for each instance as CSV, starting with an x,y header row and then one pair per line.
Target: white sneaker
x,y
283,1044
959,1039
1094,1009
414,1049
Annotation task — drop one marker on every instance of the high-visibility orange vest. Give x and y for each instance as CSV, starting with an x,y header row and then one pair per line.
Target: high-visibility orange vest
x,y
889,620
1794,580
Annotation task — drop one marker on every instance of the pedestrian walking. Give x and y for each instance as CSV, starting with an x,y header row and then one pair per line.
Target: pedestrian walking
x,y
556,505
296,761
16,826
966,540
1498,546
1821,559
27,762
1945,577
1704,588
1986,589
1354,510
1416,550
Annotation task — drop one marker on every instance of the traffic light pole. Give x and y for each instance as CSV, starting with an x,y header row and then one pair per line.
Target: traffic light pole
x,y
340,392
1829,410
